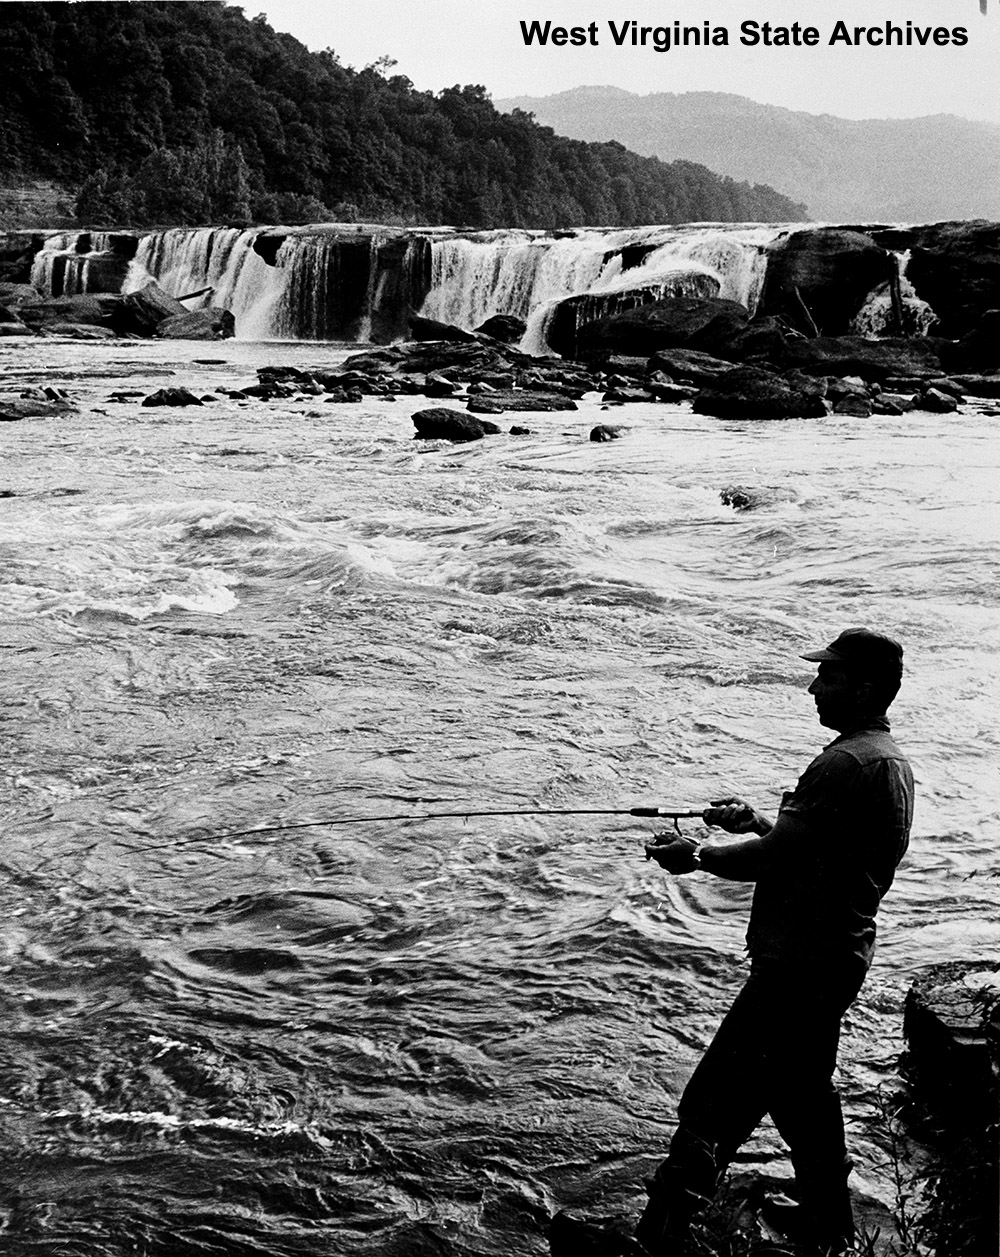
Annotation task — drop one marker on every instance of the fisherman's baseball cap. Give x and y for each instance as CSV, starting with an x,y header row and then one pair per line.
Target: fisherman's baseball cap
x,y
861,648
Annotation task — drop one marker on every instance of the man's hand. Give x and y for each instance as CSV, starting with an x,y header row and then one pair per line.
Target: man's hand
x,y
672,852
736,816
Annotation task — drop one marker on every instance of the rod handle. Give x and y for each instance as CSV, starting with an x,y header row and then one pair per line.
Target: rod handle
x,y
659,811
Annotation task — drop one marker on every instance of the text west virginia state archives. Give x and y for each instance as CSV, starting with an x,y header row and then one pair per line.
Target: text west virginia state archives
x,y
630,33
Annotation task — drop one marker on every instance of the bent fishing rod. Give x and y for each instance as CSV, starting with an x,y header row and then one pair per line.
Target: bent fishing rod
x,y
656,813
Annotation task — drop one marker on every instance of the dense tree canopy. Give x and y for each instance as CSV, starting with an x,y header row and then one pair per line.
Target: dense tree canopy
x,y
188,113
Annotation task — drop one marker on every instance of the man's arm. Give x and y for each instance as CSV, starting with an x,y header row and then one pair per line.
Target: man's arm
x,y
736,861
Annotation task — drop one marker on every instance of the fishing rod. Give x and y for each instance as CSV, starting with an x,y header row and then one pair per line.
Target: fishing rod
x,y
658,813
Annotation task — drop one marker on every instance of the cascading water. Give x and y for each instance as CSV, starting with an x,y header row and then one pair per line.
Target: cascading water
x,y
220,258
894,309
347,282
528,274
318,284
70,263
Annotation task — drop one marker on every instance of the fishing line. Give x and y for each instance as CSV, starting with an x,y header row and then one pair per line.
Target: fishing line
x,y
464,814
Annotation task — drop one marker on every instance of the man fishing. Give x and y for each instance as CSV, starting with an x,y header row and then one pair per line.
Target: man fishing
x,y
820,870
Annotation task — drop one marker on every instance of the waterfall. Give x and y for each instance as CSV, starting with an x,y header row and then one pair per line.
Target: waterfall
x,y
293,284
528,273
894,309
355,283
70,263
219,258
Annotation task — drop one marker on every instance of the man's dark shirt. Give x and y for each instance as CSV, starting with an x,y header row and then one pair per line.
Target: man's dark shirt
x,y
816,904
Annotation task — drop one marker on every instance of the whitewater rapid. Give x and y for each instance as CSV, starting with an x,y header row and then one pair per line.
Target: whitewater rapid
x,y
428,1035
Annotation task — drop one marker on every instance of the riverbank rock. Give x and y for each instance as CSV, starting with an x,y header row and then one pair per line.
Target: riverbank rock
x,y
703,323
440,423
749,393
605,432
951,1021
818,280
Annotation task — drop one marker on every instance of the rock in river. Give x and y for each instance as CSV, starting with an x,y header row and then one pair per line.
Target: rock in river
x,y
440,423
749,393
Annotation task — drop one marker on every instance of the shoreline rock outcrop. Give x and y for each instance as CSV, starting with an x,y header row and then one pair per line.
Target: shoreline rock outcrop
x,y
951,1022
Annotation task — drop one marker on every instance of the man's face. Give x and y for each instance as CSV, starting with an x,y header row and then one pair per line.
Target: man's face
x,y
839,696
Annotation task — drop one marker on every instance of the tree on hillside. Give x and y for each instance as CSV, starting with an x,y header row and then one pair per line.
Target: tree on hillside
x,y
186,113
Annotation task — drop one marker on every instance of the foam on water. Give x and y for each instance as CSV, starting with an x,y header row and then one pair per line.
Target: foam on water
x,y
426,1033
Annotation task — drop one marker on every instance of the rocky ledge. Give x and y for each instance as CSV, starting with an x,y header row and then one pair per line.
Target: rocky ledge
x,y
488,377
952,1027
105,316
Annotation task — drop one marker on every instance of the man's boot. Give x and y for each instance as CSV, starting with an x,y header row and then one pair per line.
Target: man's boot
x,y
821,1219
682,1187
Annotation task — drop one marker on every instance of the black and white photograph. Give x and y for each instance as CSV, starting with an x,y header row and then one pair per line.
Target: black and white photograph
x,y
499,533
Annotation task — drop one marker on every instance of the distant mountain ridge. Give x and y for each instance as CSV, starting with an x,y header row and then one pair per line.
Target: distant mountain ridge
x,y
845,170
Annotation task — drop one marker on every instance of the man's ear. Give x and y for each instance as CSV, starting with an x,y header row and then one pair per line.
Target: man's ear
x,y
864,690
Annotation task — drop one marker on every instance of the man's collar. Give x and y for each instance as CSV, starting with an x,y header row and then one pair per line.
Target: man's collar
x,y
868,722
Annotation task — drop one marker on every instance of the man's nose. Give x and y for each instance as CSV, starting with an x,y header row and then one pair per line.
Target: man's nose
x,y
814,686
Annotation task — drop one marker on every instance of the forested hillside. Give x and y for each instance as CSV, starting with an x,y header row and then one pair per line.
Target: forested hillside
x,y
189,113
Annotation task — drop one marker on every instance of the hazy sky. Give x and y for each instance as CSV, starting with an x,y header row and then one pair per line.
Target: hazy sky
x,y
438,43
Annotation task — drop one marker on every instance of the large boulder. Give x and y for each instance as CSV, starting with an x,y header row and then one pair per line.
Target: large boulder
x,y
207,324
507,328
750,393
703,323
571,315
874,360
441,423
142,311
818,280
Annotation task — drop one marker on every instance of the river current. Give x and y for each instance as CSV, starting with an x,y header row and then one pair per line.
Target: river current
x,y
422,1037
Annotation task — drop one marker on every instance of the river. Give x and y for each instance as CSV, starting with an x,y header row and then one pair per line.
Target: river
x,y
423,1037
